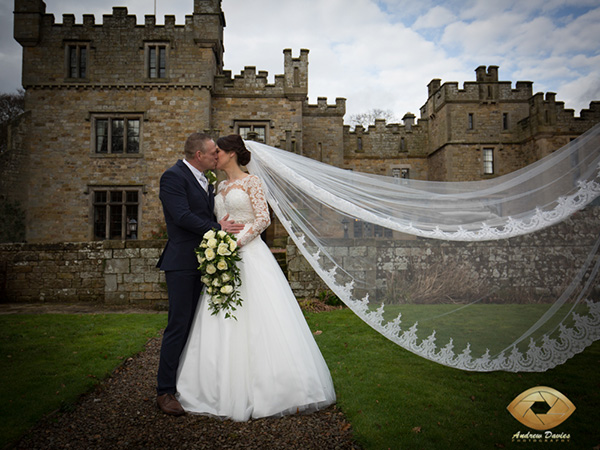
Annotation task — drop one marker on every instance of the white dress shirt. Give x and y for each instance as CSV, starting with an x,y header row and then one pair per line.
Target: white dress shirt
x,y
199,175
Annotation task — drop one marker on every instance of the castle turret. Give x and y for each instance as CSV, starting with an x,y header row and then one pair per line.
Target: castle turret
x,y
491,76
209,20
28,20
207,6
296,74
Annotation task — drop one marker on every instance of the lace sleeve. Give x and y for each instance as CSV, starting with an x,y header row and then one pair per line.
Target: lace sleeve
x,y
253,188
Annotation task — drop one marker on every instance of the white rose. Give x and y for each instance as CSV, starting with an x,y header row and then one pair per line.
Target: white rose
x,y
227,289
217,299
206,280
232,246
221,234
225,277
210,269
223,249
216,282
222,265
209,234
210,254
200,258
212,243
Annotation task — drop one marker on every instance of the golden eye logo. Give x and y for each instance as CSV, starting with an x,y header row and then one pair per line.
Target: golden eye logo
x,y
558,408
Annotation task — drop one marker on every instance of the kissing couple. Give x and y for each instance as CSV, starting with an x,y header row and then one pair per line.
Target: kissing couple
x,y
266,361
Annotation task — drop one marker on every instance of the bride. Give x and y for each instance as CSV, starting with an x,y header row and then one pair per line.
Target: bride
x,y
265,363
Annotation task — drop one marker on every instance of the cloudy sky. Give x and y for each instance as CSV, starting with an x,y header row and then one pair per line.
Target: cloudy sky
x,y
383,53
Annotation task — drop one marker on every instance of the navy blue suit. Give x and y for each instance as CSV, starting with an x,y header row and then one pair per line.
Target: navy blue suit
x,y
188,210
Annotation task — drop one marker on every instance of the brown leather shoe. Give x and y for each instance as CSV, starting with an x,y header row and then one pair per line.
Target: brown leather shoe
x,y
170,405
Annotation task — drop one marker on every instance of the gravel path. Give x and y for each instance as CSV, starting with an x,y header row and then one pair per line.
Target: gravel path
x,y
122,413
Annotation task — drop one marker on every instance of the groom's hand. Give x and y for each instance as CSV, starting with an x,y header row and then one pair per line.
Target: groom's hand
x,y
230,226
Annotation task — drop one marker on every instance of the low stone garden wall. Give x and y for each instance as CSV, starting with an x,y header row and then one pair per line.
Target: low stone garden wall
x,y
111,273
123,273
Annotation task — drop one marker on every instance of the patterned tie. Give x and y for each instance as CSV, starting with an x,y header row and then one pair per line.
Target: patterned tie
x,y
203,182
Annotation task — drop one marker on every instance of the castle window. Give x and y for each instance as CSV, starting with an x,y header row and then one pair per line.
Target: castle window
x,y
76,60
359,145
471,123
400,174
253,131
366,230
505,121
117,135
156,61
115,212
488,161
402,144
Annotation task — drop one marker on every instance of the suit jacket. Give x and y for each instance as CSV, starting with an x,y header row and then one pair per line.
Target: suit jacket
x,y
188,210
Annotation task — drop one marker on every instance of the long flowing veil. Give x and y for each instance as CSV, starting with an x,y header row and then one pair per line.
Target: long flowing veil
x,y
500,274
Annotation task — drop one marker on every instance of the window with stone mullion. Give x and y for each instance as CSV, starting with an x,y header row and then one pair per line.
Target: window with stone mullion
x,y
77,61
117,135
157,61
114,209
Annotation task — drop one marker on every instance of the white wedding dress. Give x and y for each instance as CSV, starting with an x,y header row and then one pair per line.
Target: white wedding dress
x,y
265,363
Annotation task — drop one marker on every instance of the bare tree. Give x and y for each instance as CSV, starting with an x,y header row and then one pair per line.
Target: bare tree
x,y
11,105
368,118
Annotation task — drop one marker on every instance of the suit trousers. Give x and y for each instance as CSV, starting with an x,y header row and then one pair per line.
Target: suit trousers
x,y
184,288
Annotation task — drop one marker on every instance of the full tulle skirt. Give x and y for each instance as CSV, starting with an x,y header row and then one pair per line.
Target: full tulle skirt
x,y
265,363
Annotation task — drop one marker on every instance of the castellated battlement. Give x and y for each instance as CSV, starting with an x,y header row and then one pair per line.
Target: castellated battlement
x,y
293,83
486,89
322,109
119,51
381,125
546,113
248,81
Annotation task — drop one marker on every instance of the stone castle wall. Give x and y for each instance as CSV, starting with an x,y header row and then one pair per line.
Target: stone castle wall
x,y
112,273
64,166
383,147
45,62
322,126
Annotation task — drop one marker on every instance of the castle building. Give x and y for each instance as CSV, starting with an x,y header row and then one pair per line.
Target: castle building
x,y
486,129
109,106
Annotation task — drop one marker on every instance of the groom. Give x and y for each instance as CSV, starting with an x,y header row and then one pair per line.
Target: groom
x,y
188,201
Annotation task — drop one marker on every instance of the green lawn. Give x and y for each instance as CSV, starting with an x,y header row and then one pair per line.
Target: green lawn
x,y
393,398
49,360
398,400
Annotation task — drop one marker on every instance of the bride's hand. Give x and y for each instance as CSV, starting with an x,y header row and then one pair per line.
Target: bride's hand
x,y
230,226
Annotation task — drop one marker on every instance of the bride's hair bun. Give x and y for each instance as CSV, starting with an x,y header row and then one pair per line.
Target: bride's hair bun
x,y
235,143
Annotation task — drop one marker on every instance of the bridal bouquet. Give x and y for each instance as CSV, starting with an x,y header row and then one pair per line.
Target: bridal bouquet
x,y
218,257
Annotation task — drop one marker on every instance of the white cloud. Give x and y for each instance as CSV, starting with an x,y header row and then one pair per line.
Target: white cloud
x,y
581,91
436,17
